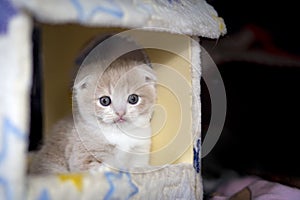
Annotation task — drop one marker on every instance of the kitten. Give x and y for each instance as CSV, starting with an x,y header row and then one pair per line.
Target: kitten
x,y
112,109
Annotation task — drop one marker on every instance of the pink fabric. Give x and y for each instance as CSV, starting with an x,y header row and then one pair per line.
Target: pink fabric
x,y
260,190
265,190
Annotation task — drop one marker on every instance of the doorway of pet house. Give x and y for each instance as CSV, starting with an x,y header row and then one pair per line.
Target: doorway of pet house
x,y
56,53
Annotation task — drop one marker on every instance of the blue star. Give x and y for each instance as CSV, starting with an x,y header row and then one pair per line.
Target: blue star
x,y
9,128
7,190
171,1
44,195
120,183
197,158
7,11
86,11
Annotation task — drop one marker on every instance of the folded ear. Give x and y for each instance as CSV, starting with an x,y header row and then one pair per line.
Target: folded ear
x,y
148,72
82,84
150,77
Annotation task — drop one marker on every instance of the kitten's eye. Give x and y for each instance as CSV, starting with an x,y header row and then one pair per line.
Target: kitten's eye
x,y
133,99
105,101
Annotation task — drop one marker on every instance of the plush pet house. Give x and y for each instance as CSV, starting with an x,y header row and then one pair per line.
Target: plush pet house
x,y
168,30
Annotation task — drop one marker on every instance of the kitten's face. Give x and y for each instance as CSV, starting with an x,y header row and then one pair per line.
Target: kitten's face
x,y
124,95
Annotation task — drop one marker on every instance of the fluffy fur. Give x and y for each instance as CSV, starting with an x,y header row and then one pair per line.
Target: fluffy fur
x,y
118,135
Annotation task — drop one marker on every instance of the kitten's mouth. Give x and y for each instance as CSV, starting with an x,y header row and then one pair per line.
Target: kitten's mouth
x,y
120,120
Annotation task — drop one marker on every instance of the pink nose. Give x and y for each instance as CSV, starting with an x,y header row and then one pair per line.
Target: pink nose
x,y
120,113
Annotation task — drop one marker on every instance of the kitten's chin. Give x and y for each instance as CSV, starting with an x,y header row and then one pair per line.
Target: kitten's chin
x,y
120,121
132,123
117,122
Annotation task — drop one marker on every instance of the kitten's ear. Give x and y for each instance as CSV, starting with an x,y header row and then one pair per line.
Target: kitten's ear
x,y
150,76
82,84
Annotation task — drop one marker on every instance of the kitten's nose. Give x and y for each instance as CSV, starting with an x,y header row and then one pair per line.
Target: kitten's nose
x,y
121,113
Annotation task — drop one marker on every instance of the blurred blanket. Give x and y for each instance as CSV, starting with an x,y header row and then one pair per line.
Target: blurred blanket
x,y
252,187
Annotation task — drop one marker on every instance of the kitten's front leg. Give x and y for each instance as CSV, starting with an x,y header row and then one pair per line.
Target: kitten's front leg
x,y
84,161
142,156
91,163
80,158
129,159
142,160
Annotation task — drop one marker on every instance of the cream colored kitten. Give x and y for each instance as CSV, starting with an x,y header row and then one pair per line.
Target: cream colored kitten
x,y
111,119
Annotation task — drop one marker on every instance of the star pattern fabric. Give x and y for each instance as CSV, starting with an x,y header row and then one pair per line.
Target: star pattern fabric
x,y
7,11
120,183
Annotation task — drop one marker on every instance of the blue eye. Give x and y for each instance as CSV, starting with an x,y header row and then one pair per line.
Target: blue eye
x,y
133,99
105,100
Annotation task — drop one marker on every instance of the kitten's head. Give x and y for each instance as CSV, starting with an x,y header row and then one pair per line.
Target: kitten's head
x,y
124,94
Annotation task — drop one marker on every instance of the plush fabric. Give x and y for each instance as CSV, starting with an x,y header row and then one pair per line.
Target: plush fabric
x,y
177,16
168,182
15,82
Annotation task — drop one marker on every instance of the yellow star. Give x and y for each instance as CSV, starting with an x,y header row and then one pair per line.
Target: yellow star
x,y
220,21
75,178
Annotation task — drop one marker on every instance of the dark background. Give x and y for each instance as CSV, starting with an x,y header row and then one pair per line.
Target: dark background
x,y
280,18
262,128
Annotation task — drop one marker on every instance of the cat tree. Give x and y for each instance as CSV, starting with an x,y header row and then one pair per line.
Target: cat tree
x,y
166,23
